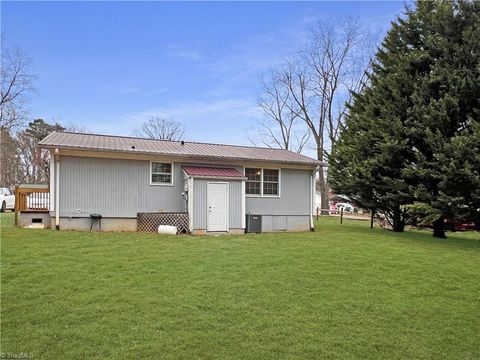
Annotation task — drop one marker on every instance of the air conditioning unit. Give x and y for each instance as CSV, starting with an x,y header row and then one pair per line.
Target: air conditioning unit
x,y
254,223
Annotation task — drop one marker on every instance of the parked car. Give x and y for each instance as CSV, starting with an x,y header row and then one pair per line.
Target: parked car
x,y
346,207
450,225
7,200
453,225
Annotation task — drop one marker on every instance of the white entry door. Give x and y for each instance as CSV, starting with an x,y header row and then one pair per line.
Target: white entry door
x,y
217,207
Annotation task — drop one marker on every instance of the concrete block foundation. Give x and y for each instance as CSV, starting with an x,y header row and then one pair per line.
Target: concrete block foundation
x,y
28,218
108,224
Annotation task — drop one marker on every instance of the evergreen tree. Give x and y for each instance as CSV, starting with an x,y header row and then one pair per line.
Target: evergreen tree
x,y
459,187
373,155
446,111
411,135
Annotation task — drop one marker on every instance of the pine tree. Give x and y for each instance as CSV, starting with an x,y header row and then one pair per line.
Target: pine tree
x,y
374,153
411,134
459,187
446,111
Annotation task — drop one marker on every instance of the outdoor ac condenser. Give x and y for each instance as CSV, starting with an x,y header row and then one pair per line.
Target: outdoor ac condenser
x,y
254,223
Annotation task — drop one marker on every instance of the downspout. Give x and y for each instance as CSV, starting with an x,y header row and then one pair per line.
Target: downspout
x,y
244,215
190,203
57,189
312,196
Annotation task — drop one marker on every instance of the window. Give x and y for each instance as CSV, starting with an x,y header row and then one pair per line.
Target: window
x,y
270,182
262,182
254,183
161,173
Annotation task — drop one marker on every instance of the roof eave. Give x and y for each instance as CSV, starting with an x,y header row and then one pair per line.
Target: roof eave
x,y
242,178
179,156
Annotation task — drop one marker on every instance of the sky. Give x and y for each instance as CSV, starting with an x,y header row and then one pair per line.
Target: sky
x,y
109,66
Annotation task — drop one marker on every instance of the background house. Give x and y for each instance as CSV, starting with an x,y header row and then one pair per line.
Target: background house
x,y
222,188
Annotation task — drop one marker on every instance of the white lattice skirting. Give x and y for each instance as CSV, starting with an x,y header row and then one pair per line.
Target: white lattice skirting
x,y
149,222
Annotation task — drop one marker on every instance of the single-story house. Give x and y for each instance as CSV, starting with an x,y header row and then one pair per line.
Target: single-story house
x,y
218,188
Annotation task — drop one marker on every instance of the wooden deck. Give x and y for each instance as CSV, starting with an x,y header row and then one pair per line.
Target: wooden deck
x,y
31,198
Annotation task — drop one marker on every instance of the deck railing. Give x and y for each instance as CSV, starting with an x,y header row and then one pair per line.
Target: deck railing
x,y
31,198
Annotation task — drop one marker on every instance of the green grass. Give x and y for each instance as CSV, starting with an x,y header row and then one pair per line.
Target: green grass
x,y
344,291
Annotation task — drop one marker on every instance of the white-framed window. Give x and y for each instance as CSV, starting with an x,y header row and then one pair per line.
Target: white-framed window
x,y
262,182
271,182
253,184
161,173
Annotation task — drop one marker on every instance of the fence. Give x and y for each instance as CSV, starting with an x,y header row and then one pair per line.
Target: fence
x,y
349,214
319,212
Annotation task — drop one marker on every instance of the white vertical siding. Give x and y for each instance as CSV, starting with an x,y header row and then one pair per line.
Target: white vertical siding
x,y
294,196
235,201
200,204
121,188
115,188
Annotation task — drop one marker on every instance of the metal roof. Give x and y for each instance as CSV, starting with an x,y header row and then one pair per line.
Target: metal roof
x,y
33,186
212,171
172,148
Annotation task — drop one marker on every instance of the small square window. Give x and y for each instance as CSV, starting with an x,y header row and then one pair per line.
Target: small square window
x,y
270,175
270,188
252,188
161,173
253,174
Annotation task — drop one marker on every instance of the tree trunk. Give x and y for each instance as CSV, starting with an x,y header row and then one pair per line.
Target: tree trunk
x,y
324,199
323,191
439,228
398,226
322,180
398,221
476,225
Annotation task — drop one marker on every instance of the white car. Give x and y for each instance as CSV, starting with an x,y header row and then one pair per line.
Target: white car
x,y
7,200
346,207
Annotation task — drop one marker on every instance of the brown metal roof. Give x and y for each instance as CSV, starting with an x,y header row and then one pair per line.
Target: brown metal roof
x,y
212,171
172,148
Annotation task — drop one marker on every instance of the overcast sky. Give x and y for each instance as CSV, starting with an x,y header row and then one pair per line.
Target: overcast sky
x,y
108,66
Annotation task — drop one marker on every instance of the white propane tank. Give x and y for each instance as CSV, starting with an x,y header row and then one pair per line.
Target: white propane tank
x,y
167,229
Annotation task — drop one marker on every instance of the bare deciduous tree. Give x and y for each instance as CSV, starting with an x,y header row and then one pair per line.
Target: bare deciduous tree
x,y
34,163
22,160
9,163
16,84
320,81
280,127
161,129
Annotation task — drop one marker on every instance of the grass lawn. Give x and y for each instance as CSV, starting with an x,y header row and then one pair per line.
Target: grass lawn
x,y
344,291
